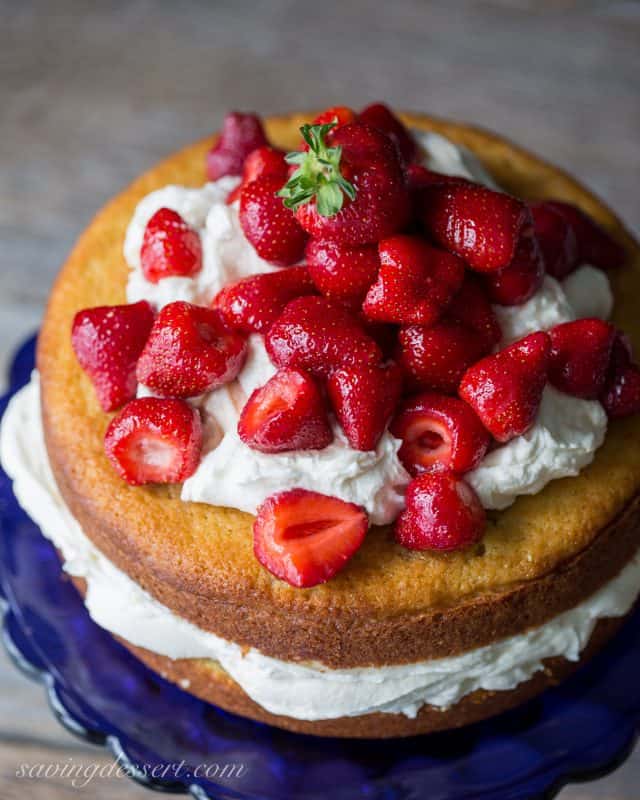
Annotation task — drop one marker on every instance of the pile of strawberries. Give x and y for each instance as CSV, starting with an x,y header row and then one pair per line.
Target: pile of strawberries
x,y
380,316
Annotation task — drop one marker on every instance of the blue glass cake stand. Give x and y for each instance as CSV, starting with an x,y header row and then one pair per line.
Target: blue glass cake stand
x,y
169,741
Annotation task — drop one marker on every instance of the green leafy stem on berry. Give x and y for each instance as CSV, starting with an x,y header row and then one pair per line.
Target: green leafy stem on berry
x,y
318,175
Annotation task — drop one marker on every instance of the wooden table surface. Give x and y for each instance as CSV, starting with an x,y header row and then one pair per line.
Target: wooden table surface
x,y
93,93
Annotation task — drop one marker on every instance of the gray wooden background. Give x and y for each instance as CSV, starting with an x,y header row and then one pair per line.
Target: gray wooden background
x,y
92,93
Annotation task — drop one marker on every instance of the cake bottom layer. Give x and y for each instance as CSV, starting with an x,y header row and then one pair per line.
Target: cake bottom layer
x,y
207,680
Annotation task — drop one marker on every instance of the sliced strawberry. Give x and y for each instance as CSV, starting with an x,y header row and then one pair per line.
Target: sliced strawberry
x,y
437,357
270,227
170,247
415,283
505,389
317,335
340,115
349,186
190,351
580,356
107,341
253,304
621,394
439,434
478,224
241,133
557,240
343,274
518,282
287,413
364,399
305,538
596,246
155,440
381,117
443,513
471,308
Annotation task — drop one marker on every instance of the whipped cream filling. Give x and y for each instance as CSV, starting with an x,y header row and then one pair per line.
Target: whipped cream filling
x,y
562,441
302,691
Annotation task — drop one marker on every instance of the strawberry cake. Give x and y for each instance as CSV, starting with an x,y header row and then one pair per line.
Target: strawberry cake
x,y
335,422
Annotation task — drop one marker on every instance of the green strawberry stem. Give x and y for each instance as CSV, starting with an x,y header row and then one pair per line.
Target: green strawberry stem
x,y
318,175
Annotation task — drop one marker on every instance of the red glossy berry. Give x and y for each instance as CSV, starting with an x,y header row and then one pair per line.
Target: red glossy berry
x,y
170,247
155,440
305,538
443,513
439,433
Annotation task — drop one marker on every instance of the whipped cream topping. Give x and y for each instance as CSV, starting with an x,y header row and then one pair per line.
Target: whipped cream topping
x,y
562,441
301,691
566,434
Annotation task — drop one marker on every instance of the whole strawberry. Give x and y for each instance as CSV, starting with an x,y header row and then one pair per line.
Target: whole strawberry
x,y
349,185
270,227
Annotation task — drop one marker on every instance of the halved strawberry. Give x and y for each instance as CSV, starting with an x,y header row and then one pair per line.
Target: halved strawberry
x,y
380,116
253,304
621,394
557,240
305,538
107,341
155,440
287,413
270,227
415,283
443,513
349,185
240,134
516,283
190,350
580,356
505,389
439,433
315,334
480,225
471,308
596,246
342,273
170,247
364,399
437,357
